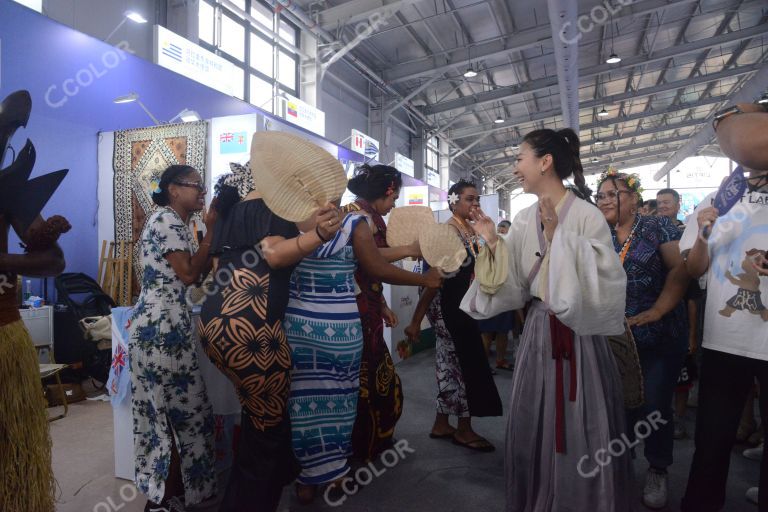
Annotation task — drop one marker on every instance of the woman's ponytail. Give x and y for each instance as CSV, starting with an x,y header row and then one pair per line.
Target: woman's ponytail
x,y
578,169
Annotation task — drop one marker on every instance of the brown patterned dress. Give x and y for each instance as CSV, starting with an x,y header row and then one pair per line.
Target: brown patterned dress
x,y
241,331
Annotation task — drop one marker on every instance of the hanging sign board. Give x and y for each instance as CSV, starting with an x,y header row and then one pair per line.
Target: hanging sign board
x,y
186,58
404,164
302,114
365,145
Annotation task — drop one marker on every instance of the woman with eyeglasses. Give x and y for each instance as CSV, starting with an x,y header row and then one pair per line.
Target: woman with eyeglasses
x,y
172,418
566,407
656,281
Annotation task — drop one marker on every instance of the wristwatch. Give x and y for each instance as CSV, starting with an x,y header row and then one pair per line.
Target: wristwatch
x,y
734,109
726,112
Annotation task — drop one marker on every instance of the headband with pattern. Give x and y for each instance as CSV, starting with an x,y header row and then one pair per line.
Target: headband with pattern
x,y
241,178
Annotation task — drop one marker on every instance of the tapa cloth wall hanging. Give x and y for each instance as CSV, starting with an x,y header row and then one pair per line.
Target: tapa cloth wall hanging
x,y
140,157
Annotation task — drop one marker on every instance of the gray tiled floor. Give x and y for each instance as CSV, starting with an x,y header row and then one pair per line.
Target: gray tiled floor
x,y
437,476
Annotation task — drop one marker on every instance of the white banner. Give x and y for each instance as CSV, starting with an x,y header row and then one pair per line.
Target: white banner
x,y
190,60
404,164
302,114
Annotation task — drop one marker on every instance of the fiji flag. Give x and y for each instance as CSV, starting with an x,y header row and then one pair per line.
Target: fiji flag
x,y
233,142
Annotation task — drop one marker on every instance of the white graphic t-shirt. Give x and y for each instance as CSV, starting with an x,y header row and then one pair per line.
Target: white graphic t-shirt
x,y
736,316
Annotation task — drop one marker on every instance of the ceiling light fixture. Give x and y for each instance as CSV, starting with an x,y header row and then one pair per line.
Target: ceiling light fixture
x,y
186,116
613,58
499,120
469,73
595,160
130,98
602,113
598,142
135,17
764,99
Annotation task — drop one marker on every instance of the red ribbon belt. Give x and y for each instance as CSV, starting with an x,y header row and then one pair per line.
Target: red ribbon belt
x,y
562,348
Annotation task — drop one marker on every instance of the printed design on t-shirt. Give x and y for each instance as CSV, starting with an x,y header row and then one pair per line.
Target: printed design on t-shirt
x,y
747,297
733,234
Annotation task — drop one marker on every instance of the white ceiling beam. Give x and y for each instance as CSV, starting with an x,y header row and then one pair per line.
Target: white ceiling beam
x,y
624,136
355,11
541,84
611,138
752,89
501,46
563,22
473,131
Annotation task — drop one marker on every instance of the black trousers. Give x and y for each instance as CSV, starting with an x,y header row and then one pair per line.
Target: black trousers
x,y
725,381
263,464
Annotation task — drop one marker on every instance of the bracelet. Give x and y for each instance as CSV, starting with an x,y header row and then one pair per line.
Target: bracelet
x,y
317,231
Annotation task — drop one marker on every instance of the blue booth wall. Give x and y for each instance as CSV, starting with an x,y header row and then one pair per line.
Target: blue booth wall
x,y
61,144
73,79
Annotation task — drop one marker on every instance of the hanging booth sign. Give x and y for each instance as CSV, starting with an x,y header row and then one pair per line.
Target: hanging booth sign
x,y
184,57
365,145
433,178
404,164
302,114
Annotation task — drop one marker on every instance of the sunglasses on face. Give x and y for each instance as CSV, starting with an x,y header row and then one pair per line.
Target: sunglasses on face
x,y
611,195
191,184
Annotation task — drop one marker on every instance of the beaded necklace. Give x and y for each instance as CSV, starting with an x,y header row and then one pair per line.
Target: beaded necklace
x,y
628,241
464,233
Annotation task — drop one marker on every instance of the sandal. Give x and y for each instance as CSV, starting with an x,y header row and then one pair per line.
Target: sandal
x,y
445,435
480,444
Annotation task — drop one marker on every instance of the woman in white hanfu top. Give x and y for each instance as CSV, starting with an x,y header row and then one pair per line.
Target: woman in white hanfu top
x,y
565,450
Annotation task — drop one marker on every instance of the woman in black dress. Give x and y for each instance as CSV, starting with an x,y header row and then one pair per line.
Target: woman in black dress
x,y
466,389
241,331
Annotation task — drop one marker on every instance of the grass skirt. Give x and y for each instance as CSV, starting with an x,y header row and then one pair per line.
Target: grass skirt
x,y
27,482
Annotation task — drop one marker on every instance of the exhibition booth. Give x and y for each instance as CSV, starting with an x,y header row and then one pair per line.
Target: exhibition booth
x,y
98,111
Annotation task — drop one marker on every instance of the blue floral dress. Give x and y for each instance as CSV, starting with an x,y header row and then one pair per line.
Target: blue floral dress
x,y
170,405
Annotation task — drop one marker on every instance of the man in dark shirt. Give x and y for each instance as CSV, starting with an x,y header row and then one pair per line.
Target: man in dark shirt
x,y
668,205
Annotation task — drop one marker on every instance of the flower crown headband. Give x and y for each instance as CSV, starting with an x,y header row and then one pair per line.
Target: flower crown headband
x,y
631,180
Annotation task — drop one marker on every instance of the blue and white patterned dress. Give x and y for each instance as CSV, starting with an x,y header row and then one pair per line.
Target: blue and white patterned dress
x,y
169,402
323,327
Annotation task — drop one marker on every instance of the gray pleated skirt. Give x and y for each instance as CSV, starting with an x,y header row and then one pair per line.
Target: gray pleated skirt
x,y
595,472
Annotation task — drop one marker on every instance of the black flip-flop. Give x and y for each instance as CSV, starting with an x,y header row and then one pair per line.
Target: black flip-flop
x,y
447,435
472,445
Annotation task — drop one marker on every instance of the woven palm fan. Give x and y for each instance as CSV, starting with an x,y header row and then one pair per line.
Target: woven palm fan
x,y
294,176
406,223
442,247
